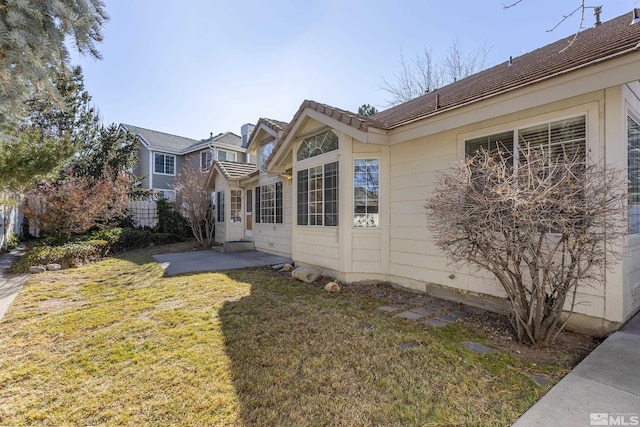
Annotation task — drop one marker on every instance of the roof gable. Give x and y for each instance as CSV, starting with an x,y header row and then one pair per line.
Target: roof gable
x,y
274,128
160,141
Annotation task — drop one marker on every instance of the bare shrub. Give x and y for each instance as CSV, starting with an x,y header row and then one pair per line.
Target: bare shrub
x,y
543,228
194,200
76,204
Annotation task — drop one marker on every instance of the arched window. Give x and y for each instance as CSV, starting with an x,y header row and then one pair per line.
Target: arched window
x,y
317,145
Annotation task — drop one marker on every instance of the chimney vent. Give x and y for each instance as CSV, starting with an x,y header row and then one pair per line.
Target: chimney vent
x,y
597,10
510,61
636,16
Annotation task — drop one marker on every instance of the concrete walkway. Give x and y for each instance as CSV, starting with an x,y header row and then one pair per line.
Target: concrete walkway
x,y
603,390
10,284
198,261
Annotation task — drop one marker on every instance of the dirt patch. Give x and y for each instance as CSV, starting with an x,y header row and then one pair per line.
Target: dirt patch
x,y
54,305
567,351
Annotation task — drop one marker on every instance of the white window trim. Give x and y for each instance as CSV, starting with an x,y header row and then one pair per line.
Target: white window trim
x,y
217,156
633,238
589,111
353,188
206,168
175,164
164,191
295,180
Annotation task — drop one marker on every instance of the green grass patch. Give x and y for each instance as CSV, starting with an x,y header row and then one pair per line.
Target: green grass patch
x,y
116,343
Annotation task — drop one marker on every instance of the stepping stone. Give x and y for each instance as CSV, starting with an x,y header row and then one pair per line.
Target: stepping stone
x,y
447,318
425,311
408,345
275,296
409,315
473,310
434,306
435,323
388,308
299,304
325,313
458,314
477,347
366,325
450,305
541,380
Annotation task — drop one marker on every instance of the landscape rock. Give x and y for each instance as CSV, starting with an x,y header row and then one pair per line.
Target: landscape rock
x,y
332,287
277,267
54,267
286,268
306,274
37,269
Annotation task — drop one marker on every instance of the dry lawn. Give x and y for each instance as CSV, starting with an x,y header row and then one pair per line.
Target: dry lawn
x,y
116,343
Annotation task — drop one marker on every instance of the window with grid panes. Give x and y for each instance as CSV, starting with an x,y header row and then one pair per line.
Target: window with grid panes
x,y
317,189
236,205
269,204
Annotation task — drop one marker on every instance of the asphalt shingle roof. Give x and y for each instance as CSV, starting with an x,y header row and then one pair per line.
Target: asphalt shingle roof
x,y
161,140
606,41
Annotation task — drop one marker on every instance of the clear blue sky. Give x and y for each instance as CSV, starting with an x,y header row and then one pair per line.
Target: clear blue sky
x,y
193,67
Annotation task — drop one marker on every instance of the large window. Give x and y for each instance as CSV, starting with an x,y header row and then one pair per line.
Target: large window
x,y
236,206
220,207
227,156
318,195
265,152
366,192
206,160
633,147
317,145
164,164
269,204
560,139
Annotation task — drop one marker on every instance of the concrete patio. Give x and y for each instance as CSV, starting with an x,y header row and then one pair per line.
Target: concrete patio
x,y
209,260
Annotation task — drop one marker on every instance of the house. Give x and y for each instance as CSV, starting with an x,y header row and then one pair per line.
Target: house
x,y
161,155
346,193
238,186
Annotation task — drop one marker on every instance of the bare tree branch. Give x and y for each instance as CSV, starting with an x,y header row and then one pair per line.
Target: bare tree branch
x,y
424,74
194,201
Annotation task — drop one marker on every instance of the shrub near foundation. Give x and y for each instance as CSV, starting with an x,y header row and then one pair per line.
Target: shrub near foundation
x,y
92,247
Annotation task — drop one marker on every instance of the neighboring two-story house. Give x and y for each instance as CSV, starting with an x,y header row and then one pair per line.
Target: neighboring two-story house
x,y
161,155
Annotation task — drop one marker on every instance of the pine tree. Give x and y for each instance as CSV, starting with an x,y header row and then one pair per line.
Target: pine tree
x,y
37,147
33,49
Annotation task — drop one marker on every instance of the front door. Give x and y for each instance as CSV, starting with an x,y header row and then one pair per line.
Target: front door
x,y
248,232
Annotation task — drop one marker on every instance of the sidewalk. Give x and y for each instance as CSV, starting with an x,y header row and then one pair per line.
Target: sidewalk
x,y
10,284
603,390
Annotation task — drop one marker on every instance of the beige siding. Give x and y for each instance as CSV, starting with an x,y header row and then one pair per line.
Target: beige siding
x,y
275,238
414,167
221,227
317,246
